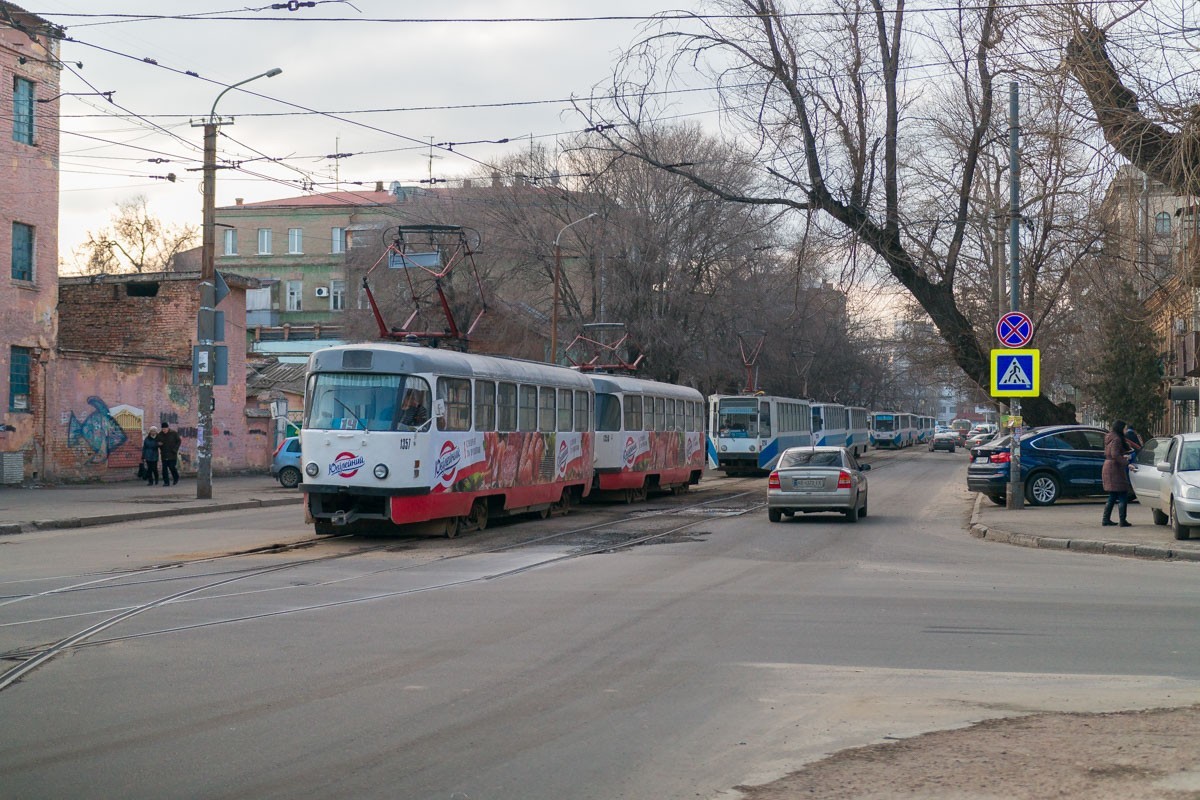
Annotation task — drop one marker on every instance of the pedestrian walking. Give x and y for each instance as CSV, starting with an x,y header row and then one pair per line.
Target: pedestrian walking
x,y
150,456
168,447
1115,474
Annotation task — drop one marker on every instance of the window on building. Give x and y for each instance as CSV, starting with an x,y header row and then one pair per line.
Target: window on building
x,y
295,295
258,299
22,110
264,241
18,378
337,240
230,237
1162,223
22,251
337,295
295,241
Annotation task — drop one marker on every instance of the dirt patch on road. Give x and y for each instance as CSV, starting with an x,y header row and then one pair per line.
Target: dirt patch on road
x,y
1131,755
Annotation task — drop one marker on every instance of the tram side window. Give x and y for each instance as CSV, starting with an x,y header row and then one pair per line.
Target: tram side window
x,y
608,413
566,412
485,406
456,392
669,414
527,414
633,412
581,412
764,419
546,410
659,415
648,413
506,405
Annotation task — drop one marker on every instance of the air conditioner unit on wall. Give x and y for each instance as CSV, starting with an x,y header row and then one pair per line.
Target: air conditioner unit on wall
x,y
322,291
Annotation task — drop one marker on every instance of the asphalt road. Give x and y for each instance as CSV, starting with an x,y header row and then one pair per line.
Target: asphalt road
x,y
731,652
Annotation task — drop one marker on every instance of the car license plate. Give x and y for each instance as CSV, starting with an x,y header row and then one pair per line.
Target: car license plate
x,y
808,483
982,459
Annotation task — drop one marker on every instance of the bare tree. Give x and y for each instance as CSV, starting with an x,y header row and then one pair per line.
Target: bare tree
x,y
832,122
137,241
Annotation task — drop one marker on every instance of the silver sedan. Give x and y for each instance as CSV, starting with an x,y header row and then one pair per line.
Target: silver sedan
x,y
1166,478
809,479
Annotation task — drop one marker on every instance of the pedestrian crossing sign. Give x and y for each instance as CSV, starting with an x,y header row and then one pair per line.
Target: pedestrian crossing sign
x,y
1016,373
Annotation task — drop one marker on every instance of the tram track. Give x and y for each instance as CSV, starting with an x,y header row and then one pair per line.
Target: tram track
x,y
31,658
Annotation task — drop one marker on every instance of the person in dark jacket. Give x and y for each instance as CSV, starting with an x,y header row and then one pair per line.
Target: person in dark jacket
x,y
150,456
168,447
1115,474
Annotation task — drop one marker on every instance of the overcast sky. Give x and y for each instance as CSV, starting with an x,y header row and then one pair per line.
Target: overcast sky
x,y
353,59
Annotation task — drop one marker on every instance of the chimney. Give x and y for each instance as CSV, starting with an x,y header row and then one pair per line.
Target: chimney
x,y
467,183
495,180
379,186
238,201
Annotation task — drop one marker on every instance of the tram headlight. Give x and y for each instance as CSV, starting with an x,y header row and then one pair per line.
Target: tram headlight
x,y
724,448
311,469
751,448
381,471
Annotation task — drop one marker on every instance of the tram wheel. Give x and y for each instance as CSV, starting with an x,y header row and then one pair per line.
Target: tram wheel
x,y
452,527
639,494
477,520
561,506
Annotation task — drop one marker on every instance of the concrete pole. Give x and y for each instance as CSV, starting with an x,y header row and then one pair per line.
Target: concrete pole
x,y
1016,487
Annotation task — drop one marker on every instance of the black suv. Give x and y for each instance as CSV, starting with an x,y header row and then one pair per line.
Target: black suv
x,y
1056,461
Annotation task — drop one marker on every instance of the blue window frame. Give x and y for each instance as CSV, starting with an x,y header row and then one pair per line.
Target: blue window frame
x,y
22,251
22,110
18,378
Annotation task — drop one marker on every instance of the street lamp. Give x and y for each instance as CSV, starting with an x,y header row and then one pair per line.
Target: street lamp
x,y
557,281
206,315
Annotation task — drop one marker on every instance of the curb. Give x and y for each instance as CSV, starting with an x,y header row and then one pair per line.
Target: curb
x,y
128,516
1125,549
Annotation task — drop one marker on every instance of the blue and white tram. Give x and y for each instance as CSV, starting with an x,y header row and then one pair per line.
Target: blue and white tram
x,y
925,427
395,433
829,424
748,432
891,430
858,430
648,435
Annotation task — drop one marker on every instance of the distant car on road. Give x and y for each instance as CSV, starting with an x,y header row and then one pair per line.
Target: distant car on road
x,y
1166,479
981,435
1056,461
285,465
946,440
809,479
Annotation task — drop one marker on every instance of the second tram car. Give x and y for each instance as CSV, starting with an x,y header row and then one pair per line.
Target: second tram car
x,y
648,435
892,429
829,424
395,433
748,432
858,430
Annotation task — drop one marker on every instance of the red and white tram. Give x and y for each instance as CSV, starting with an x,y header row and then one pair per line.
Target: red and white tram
x,y
403,434
648,435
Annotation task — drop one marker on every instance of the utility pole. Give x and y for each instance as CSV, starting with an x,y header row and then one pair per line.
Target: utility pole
x,y
558,280
1016,487
206,317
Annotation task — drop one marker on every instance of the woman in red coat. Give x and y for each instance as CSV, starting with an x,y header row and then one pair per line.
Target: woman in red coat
x,y
1115,474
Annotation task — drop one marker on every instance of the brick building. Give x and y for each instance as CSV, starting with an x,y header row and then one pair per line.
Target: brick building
x,y
124,363
29,148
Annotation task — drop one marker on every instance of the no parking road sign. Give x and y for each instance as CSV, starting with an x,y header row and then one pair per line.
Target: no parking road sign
x,y
1014,329
1015,373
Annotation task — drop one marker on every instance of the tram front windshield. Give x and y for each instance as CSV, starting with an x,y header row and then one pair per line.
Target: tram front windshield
x,y
885,424
340,401
737,418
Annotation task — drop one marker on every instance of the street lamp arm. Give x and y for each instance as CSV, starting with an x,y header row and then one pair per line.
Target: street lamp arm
x,y
271,73
570,224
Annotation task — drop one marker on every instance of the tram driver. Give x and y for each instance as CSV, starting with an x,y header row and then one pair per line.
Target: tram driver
x,y
413,410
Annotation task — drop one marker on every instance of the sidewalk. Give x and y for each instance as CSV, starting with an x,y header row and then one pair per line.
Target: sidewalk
x,y
1075,525
27,509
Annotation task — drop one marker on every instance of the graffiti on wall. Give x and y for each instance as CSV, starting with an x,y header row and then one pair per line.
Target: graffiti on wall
x,y
112,436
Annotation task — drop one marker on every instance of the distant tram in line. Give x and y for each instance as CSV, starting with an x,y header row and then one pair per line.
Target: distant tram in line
x,y
858,430
747,433
893,430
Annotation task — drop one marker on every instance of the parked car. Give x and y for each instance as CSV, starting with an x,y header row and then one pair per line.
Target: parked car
x,y
808,479
980,437
1056,461
1166,479
945,440
285,465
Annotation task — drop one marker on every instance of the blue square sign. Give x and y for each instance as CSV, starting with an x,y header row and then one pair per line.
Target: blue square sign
x,y
1015,373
